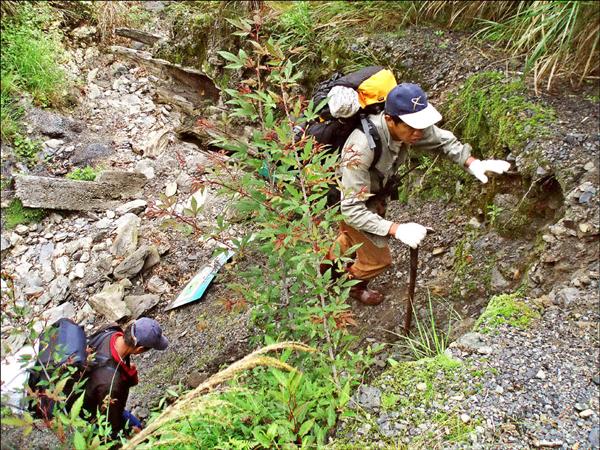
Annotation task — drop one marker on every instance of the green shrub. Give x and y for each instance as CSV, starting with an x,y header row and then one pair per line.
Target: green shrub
x,y
25,149
280,187
31,51
17,214
88,173
30,55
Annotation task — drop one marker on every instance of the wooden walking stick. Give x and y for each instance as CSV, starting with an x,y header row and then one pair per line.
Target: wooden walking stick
x,y
414,262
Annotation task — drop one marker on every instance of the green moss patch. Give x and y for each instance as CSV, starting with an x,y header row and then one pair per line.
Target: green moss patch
x,y
493,114
88,173
17,214
507,309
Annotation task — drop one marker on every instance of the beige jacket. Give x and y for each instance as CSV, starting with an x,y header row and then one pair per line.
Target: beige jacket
x,y
359,183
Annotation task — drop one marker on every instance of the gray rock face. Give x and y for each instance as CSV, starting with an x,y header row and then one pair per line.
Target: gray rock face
x,y
472,343
139,304
134,263
4,243
109,302
127,235
368,397
58,193
498,282
90,153
565,296
594,437
57,291
66,310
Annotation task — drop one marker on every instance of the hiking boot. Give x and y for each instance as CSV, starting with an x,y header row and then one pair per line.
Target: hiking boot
x,y
365,295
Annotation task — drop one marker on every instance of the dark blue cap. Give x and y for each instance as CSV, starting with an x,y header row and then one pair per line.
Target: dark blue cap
x,y
148,333
409,102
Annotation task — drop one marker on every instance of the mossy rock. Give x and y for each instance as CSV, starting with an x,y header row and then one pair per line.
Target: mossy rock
x,y
506,309
17,214
493,113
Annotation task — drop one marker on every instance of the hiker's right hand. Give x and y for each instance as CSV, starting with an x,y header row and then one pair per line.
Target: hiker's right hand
x,y
409,233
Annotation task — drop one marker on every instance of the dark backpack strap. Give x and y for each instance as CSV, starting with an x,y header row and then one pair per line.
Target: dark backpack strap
x,y
373,140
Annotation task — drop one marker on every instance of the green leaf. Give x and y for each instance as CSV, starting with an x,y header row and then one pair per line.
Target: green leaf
x,y
79,441
306,426
76,408
229,56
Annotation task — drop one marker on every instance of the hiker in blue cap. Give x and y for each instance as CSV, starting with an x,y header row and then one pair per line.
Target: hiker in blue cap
x,y
408,120
113,373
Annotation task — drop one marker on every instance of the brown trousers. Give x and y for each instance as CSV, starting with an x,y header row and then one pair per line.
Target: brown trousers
x,y
369,260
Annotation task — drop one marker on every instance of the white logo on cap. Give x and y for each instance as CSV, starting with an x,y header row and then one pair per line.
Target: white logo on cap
x,y
415,102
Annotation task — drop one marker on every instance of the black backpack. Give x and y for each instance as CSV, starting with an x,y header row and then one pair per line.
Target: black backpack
x,y
63,348
333,132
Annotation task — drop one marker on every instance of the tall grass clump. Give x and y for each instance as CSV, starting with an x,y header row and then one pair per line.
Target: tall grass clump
x,y
31,52
557,38
427,340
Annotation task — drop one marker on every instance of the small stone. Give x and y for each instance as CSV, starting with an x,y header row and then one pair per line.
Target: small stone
x,y
134,207
589,167
157,285
126,283
585,227
541,375
438,251
580,406
465,418
78,270
61,265
596,380
53,143
21,229
586,413
85,257
4,243
474,222
585,197
499,390
547,443
110,214
61,236
421,386
171,189
139,304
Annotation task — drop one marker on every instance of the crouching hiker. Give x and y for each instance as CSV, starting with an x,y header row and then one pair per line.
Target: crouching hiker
x,y
113,373
407,120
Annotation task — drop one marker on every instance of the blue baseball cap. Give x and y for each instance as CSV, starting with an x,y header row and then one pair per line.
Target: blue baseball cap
x,y
409,102
148,333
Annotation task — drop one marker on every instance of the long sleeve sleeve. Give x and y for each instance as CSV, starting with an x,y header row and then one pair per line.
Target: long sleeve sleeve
x,y
437,139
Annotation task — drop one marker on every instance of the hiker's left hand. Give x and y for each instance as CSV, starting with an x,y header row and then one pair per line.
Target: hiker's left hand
x,y
478,168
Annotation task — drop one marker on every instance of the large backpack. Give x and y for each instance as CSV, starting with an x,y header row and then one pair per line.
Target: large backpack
x,y
372,85
63,348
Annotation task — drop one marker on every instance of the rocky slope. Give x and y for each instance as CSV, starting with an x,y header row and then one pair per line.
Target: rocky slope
x,y
536,386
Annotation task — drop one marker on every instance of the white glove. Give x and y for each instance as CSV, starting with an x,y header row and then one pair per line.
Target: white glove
x,y
410,233
343,101
478,168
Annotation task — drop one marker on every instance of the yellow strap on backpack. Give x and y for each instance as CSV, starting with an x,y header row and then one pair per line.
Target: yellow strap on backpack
x,y
376,88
